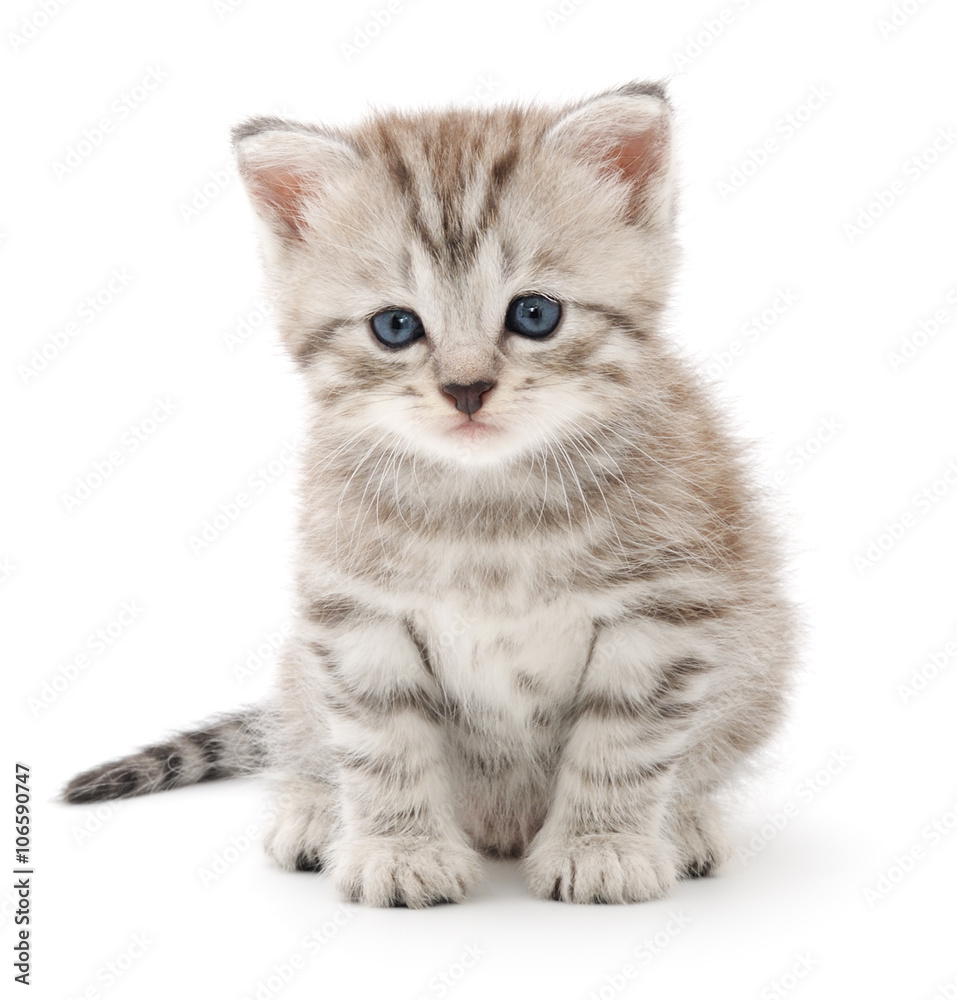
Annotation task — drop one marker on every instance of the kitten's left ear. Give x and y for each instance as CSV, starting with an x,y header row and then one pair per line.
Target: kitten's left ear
x,y
287,168
626,134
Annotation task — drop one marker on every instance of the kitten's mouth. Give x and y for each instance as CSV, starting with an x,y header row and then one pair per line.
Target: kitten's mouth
x,y
472,429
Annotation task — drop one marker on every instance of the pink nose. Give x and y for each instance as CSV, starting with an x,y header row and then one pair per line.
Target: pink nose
x,y
468,398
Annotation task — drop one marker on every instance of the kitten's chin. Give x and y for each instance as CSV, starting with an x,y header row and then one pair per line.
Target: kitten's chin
x,y
473,442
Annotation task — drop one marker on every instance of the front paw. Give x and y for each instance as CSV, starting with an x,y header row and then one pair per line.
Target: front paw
x,y
696,831
601,868
304,824
413,871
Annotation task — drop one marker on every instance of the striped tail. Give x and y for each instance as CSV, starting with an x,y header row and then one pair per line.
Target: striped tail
x,y
226,747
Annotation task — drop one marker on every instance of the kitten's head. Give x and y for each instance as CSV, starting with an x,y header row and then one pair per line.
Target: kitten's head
x,y
470,285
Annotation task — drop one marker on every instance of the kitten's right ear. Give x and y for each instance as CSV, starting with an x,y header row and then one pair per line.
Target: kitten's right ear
x,y
286,168
626,135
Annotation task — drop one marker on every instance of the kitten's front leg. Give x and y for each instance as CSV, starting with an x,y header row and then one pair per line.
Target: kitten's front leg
x,y
607,834
398,843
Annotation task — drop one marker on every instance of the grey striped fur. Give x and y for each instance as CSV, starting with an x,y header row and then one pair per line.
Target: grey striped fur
x,y
225,747
553,628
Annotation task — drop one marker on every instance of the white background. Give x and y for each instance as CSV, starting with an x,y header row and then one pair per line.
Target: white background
x,y
866,766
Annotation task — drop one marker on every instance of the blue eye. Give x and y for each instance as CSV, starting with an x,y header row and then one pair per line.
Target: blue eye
x,y
533,315
397,327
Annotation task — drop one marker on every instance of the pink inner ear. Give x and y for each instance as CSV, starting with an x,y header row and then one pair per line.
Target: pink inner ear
x,y
285,192
637,158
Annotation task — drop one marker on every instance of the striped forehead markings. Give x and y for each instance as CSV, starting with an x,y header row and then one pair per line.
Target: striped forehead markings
x,y
455,245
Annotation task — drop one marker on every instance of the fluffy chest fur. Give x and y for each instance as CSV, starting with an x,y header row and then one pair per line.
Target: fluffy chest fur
x,y
506,675
508,684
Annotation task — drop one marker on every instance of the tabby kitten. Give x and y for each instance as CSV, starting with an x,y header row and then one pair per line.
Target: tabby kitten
x,y
538,603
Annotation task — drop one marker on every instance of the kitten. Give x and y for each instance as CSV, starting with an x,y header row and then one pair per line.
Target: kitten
x,y
539,611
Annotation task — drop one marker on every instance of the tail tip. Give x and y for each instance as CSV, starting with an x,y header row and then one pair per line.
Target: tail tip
x,y
99,784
